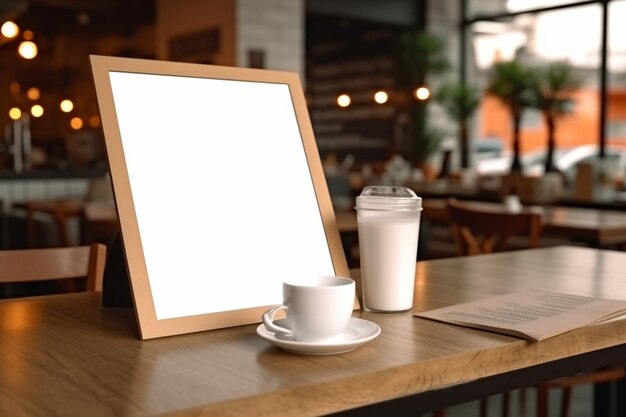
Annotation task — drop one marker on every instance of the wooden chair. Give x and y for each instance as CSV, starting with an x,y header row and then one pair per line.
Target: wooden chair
x,y
482,231
566,384
479,230
99,223
30,265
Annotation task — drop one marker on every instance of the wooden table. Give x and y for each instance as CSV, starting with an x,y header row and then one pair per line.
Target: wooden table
x,y
64,355
92,214
60,210
599,228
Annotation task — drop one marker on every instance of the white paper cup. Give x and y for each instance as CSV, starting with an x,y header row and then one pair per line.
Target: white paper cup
x,y
388,223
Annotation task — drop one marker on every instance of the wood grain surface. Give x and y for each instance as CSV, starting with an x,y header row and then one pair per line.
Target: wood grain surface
x,y
65,355
597,227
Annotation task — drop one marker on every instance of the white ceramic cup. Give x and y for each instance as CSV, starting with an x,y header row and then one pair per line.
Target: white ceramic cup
x,y
317,308
388,223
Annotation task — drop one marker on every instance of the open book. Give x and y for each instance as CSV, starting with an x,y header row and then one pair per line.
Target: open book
x,y
531,314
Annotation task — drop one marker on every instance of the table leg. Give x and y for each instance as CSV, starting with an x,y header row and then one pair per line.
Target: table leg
x,y
31,227
542,400
61,224
621,397
602,399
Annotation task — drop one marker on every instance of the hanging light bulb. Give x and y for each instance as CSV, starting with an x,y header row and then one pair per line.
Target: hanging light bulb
x,y
9,29
36,110
76,123
33,93
94,121
66,106
14,87
27,49
381,97
344,100
422,93
15,113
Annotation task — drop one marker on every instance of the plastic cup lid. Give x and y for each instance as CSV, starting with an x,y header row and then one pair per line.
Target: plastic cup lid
x,y
387,197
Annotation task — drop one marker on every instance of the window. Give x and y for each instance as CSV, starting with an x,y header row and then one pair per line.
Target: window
x,y
538,33
616,77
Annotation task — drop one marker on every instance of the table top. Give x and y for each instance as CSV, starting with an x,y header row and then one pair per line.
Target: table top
x,y
104,211
66,355
489,189
601,227
68,207
598,227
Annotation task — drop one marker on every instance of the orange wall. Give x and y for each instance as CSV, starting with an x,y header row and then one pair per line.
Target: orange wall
x,y
578,128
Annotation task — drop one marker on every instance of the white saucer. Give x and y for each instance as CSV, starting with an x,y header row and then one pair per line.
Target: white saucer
x,y
357,333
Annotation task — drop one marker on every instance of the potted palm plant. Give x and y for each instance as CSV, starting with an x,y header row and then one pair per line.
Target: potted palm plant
x,y
553,91
460,101
419,55
513,83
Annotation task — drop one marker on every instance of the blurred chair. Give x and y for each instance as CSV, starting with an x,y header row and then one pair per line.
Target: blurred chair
x,y
479,231
566,384
66,263
99,223
62,210
476,230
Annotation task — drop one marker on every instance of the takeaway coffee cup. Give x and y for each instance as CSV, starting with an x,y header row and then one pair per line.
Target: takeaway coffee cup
x,y
317,308
388,222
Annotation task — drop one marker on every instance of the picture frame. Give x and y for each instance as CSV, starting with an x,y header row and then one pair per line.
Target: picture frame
x,y
219,189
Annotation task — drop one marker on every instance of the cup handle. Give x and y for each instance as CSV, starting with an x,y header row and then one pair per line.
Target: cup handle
x,y
268,321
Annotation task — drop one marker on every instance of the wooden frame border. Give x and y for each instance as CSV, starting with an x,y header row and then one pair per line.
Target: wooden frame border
x,y
149,325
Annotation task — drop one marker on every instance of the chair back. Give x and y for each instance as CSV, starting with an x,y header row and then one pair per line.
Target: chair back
x,y
483,229
28,265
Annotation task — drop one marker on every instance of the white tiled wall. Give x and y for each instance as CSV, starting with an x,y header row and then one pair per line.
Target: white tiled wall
x,y
274,26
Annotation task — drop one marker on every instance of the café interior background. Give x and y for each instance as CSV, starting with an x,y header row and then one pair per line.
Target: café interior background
x,y
364,95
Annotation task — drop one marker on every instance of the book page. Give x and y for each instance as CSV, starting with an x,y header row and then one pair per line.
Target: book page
x,y
531,314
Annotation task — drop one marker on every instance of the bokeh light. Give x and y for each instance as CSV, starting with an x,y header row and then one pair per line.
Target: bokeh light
x,y
33,93
36,110
422,93
15,113
76,123
14,87
9,29
381,97
94,121
27,50
66,106
344,100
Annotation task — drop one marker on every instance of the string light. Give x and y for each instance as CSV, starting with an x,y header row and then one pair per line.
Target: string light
x,y
15,113
94,121
76,123
9,29
14,87
36,110
27,50
344,100
33,93
381,97
422,93
66,106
